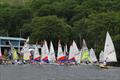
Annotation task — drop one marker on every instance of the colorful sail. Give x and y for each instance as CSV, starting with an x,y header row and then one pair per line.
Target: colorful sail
x,y
60,55
76,52
109,50
15,55
86,56
44,53
92,55
71,57
51,55
85,53
36,55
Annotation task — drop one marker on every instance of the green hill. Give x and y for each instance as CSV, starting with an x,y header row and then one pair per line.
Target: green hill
x,y
14,2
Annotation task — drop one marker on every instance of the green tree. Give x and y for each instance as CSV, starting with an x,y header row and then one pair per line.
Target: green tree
x,y
98,24
49,28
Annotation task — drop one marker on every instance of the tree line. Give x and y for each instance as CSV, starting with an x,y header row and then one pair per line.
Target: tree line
x,y
64,20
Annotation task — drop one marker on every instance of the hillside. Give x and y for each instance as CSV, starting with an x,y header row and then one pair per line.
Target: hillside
x,y
14,2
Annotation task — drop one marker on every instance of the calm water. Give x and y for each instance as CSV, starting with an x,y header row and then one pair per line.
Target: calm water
x,y
55,72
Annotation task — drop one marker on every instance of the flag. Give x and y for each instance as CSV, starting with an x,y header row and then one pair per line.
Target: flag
x,y
27,40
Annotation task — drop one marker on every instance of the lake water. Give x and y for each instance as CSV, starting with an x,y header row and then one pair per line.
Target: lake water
x,y
55,72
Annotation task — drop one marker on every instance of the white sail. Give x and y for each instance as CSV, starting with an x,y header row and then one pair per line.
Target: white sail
x,y
45,52
76,52
65,49
60,54
84,48
71,54
51,56
92,55
101,56
36,54
109,50
25,51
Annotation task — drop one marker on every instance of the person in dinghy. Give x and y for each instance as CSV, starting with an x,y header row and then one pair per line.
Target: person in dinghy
x,y
104,65
109,54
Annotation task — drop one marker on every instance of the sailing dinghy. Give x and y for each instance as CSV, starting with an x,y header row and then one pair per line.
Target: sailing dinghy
x,y
36,55
93,56
74,54
109,52
60,55
25,51
85,56
44,53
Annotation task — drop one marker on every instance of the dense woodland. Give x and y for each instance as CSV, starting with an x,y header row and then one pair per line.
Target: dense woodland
x,y
64,20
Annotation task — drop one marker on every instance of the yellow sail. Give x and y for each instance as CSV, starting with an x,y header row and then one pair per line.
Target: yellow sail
x,y
86,56
15,55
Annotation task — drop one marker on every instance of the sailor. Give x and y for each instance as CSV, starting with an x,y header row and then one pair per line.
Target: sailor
x,y
104,63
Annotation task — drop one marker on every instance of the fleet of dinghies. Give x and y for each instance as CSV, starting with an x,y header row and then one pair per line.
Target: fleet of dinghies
x,y
73,56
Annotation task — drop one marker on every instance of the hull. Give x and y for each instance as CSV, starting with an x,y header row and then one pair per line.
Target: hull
x,y
103,66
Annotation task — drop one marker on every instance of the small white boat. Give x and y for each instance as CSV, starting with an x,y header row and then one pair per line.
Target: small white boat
x,y
109,54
